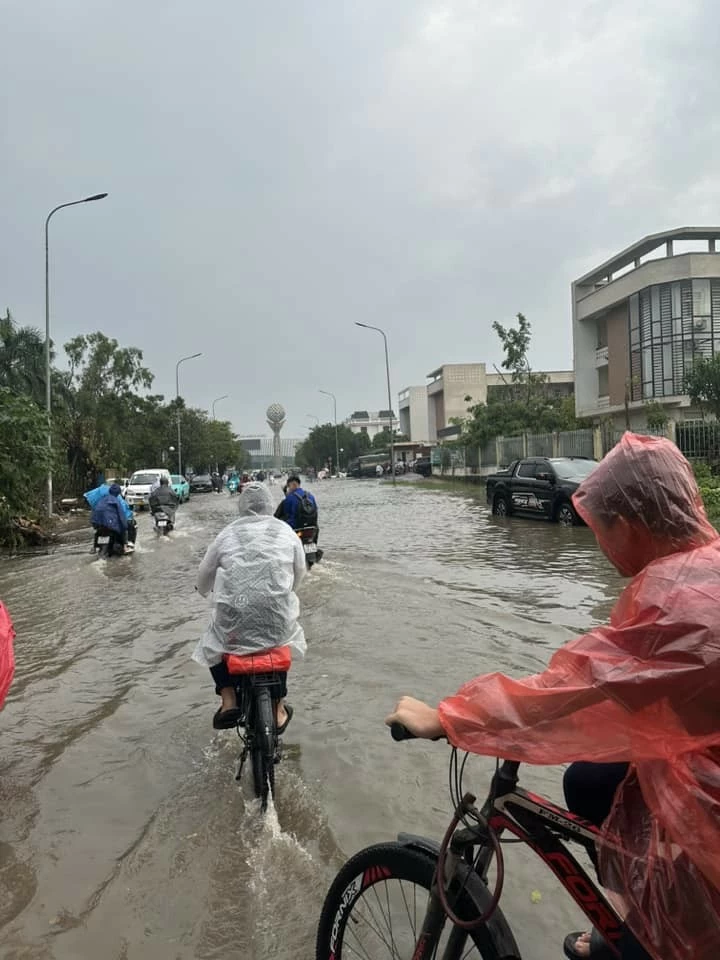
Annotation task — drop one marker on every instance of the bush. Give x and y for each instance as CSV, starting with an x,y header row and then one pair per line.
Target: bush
x,y
710,489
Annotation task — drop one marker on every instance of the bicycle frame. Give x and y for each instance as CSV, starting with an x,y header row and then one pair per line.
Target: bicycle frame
x,y
542,826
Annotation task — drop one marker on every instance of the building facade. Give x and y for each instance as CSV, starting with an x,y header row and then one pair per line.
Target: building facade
x,y
413,411
639,321
450,386
372,423
262,451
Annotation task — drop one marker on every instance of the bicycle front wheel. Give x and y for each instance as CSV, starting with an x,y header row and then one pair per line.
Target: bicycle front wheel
x,y
377,903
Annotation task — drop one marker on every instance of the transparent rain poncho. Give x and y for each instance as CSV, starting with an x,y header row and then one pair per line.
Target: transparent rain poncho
x,y
253,568
644,689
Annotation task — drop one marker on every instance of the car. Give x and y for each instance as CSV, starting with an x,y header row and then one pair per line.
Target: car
x,y
181,487
540,487
137,492
202,483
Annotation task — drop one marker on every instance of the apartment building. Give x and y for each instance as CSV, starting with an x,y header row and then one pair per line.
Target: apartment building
x,y
640,319
372,423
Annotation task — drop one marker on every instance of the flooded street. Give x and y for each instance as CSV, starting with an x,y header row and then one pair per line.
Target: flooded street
x,y
123,833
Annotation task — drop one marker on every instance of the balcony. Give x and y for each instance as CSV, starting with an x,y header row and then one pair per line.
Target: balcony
x,y
603,403
601,357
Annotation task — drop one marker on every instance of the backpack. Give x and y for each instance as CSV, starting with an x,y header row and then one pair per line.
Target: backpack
x,y
307,514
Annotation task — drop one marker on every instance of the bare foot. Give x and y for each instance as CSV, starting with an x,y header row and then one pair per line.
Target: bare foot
x,y
280,713
582,945
229,701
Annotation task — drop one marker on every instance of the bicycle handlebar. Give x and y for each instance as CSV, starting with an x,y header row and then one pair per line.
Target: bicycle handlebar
x,y
398,731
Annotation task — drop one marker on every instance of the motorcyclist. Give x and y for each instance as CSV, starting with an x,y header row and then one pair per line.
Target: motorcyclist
x,y
110,513
296,509
217,483
164,499
253,568
635,701
93,496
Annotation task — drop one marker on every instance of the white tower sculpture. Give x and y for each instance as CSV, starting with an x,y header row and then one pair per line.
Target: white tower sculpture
x,y
275,414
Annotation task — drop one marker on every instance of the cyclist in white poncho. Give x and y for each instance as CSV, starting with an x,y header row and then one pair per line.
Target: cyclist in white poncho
x,y
253,568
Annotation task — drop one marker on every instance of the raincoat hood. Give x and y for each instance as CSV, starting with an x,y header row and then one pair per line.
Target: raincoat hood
x,y
115,490
255,501
642,503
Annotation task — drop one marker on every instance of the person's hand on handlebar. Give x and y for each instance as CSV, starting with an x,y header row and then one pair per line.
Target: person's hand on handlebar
x,y
418,717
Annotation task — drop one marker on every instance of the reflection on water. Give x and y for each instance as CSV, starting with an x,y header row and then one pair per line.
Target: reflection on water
x,y
123,832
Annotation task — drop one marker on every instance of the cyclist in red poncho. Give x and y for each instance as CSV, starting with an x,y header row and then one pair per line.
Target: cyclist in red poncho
x,y
636,701
7,660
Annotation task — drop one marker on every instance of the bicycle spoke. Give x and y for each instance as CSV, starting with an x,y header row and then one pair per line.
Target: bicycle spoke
x,y
407,909
374,926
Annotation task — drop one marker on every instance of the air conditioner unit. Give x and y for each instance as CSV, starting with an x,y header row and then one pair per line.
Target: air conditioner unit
x,y
701,323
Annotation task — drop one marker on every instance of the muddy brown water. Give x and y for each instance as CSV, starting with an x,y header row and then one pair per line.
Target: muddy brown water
x,y
123,835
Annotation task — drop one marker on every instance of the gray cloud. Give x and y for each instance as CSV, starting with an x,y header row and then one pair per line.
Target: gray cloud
x,y
278,171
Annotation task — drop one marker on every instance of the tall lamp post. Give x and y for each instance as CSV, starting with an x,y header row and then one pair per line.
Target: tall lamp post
x,y
390,411
217,400
312,416
337,442
48,390
179,414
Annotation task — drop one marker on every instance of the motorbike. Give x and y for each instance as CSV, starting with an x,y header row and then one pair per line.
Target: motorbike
x,y
163,523
108,544
233,486
312,552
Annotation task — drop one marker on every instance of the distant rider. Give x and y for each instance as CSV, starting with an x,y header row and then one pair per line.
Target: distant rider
x,y
253,568
165,499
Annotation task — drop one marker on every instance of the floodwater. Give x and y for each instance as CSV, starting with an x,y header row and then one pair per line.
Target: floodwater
x,y
123,834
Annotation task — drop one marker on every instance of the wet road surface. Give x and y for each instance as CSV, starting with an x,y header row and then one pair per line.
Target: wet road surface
x,y
123,835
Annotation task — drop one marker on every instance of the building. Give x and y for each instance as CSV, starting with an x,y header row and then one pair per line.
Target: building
x,y
261,451
413,411
363,421
639,321
450,386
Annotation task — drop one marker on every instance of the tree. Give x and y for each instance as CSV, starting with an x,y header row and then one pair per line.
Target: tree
x,y
24,457
319,446
22,360
381,440
656,415
702,384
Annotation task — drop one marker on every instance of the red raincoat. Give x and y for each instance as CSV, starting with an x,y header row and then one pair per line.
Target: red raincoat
x,y
7,660
644,689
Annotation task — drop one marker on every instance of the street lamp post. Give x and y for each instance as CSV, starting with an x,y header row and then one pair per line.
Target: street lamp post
x,y
313,417
217,400
179,416
390,411
337,442
48,390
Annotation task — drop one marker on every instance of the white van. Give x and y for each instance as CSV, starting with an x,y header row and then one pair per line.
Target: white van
x,y
137,492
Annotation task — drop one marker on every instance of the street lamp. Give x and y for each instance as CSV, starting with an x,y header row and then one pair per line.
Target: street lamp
x,y
48,392
313,417
390,412
217,400
177,395
337,442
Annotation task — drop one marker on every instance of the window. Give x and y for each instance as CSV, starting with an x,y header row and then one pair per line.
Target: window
x,y
669,325
526,470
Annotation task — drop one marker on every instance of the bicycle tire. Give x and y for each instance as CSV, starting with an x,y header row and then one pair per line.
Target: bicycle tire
x,y
263,746
395,861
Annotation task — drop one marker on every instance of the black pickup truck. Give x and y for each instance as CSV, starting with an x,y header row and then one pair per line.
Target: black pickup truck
x,y
539,486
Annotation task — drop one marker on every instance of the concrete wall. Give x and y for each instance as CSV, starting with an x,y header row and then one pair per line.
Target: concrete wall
x,y
414,415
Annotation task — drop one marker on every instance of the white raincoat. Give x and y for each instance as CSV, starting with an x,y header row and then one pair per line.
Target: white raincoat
x,y
254,567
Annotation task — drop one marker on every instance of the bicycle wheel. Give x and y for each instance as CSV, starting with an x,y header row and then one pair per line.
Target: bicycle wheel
x,y
376,906
263,746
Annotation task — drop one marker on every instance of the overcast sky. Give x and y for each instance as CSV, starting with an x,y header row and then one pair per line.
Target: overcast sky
x,y
279,170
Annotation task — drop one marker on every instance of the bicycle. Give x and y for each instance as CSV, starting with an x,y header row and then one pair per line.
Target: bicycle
x,y
454,874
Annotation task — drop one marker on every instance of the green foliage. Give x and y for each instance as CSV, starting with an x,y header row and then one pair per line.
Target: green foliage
x,y
702,384
381,440
656,416
709,485
103,418
527,403
319,446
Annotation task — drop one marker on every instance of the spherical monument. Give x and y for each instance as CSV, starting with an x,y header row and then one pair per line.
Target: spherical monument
x,y
275,414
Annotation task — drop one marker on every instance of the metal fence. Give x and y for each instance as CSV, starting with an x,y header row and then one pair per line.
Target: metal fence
x,y
509,449
576,443
540,444
699,440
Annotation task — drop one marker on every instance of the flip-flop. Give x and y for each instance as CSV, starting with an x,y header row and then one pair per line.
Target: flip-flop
x,y
599,950
289,711
226,719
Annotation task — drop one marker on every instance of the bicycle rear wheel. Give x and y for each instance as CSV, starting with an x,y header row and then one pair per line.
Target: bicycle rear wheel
x,y
263,746
376,906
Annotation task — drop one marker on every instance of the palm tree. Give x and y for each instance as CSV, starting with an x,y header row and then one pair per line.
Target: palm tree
x,y
22,359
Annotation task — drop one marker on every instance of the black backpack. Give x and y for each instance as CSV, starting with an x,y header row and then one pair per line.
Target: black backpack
x,y
307,514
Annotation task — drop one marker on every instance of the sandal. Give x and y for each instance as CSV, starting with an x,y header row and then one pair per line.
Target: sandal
x,y
226,719
599,949
289,711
